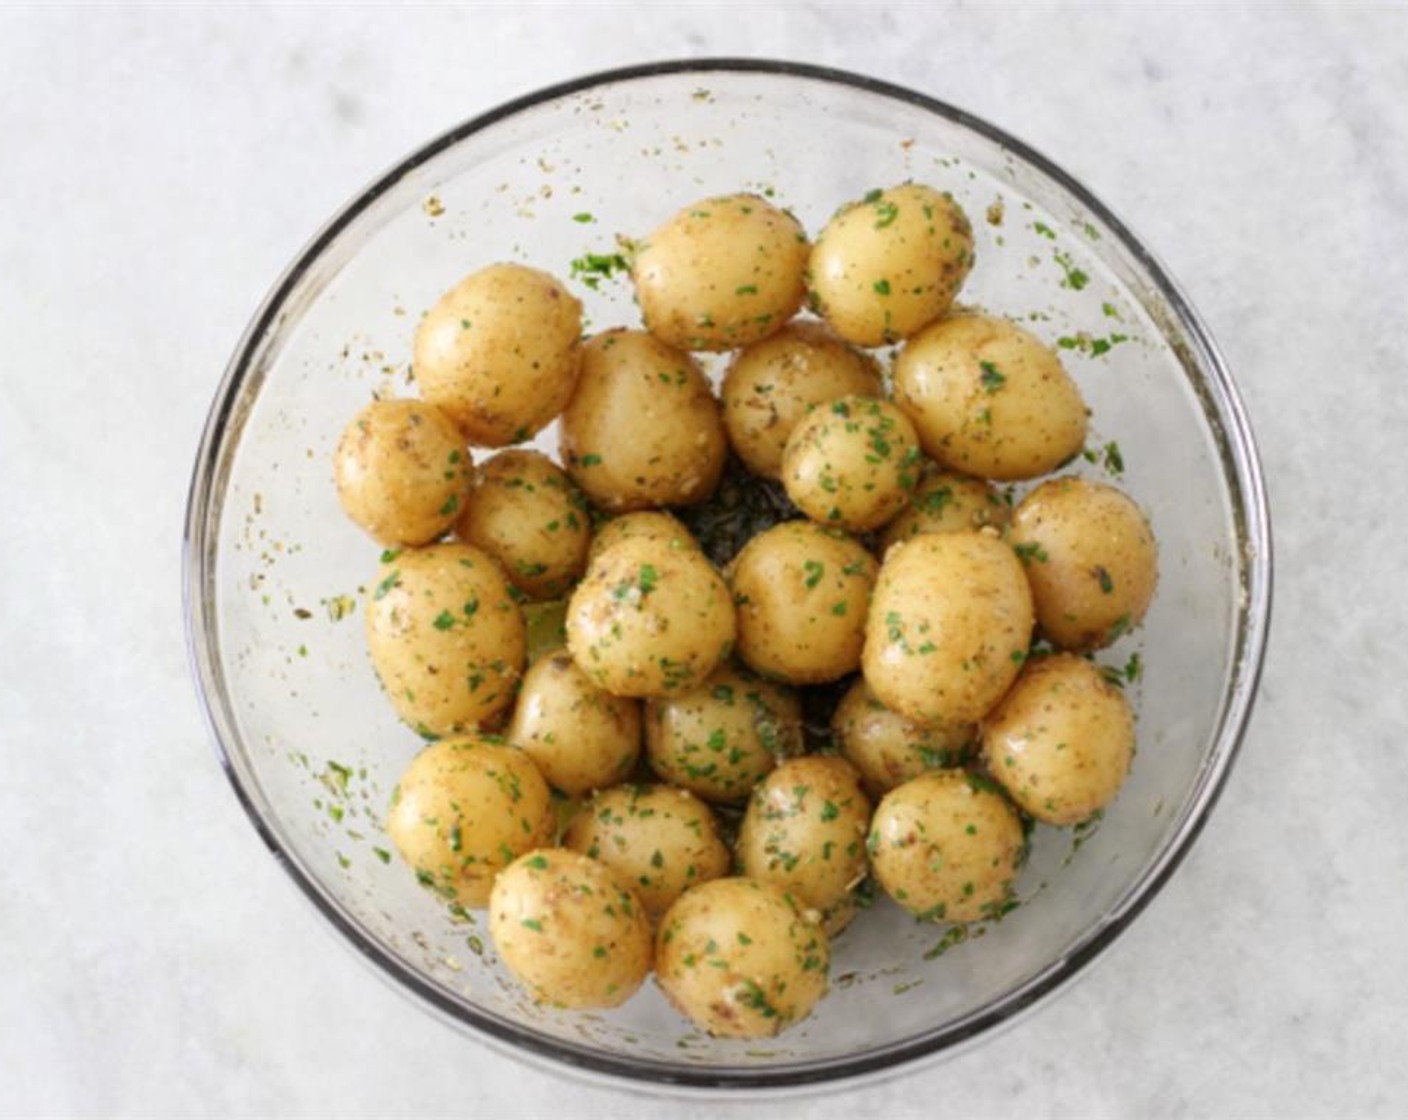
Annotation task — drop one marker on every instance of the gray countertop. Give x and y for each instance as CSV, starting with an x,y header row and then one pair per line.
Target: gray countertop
x,y
162,165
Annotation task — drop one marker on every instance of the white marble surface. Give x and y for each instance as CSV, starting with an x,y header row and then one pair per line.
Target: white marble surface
x,y
160,166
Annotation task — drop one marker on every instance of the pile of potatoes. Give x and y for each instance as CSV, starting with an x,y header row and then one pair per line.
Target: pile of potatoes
x,y
672,705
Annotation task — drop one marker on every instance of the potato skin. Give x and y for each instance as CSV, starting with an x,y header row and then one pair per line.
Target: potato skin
x,y
989,398
655,524
402,471
852,463
720,739
499,353
445,636
721,273
1061,741
945,502
888,749
650,619
947,847
1091,558
581,737
737,959
465,807
949,626
770,385
803,593
525,513
891,263
658,840
643,428
569,930
805,832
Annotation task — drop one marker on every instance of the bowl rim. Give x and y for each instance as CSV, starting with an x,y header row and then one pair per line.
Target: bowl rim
x,y
1240,467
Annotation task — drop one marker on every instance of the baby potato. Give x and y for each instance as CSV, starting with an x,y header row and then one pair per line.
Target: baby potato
x,y
887,749
650,619
643,428
402,471
947,847
566,928
526,514
888,265
945,502
446,638
579,736
949,625
770,385
805,832
803,592
464,809
499,353
658,840
721,273
1061,741
1091,559
654,524
736,958
989,399
852,463
720,739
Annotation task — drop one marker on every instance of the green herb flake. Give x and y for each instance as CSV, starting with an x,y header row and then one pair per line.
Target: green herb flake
x,y
593,268
444,620
881,287
1114,461
533,924
814,570
590,460
584,218
992,379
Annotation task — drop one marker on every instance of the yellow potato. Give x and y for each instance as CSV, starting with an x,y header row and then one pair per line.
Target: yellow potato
x,y
658,840
526,514
721,273
719,739
947,847
771,384
736,958
802,592
643,428
888,749
445,637
650,619
499,353
805,832
1061,740
402,471
888,265
465,808
852,463
1091,558
566,928
944,502
989,399
580,737
653,523
949,626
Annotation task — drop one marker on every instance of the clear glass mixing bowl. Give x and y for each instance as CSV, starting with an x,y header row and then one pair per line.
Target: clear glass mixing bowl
x,y
273,568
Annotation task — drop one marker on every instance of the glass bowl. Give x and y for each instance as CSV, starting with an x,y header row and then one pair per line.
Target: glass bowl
x,y
274,570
